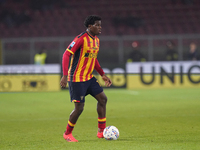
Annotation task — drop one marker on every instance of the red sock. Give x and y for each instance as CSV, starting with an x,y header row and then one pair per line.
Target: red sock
x,y
101,123
70,127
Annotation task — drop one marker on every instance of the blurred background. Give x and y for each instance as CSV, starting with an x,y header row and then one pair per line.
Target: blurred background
x,y
152,30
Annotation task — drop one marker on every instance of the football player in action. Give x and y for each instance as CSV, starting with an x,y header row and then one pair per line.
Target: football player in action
x,y
84,50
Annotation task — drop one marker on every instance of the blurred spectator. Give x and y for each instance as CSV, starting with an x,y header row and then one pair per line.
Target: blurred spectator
x,y
171,54
41,57
193,54
136,55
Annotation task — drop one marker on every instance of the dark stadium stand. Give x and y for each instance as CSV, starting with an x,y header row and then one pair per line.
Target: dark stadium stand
x,y
159,17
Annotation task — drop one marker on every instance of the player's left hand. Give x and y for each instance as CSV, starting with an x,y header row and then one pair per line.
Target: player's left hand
x,y
107,80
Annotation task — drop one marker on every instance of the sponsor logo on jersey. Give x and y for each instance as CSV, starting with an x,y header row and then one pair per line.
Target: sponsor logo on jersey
x,y
91,55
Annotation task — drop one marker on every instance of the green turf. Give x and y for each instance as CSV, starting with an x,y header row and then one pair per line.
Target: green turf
x,y
165,119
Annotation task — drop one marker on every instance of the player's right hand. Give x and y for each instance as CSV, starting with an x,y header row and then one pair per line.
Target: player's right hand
x,y
63,81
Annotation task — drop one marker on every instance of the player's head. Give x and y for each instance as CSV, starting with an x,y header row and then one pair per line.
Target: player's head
x,y
93,24
90,20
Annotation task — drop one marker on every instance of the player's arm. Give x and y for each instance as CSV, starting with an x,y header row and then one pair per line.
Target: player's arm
x,y
72,48
65,64
98,68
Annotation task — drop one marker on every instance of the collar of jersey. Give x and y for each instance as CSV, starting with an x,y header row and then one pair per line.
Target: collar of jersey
x,y
90,35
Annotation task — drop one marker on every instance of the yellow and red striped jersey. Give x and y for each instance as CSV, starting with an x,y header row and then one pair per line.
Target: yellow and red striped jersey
x,y
84,49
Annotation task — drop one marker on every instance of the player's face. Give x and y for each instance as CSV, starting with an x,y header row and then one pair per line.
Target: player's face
x,y
95,29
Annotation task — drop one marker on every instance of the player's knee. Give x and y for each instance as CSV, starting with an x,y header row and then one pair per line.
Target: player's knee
x,y
103,100
79,109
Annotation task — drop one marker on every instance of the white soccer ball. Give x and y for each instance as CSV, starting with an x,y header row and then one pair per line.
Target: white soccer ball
x,y
111,133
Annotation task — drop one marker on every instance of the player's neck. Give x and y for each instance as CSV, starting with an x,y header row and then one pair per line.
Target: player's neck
x,y
88,31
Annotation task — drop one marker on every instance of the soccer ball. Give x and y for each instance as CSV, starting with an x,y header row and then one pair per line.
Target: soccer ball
x,y
111,133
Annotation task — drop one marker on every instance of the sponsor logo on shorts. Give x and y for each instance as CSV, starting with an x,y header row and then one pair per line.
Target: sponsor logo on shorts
x,y
82,97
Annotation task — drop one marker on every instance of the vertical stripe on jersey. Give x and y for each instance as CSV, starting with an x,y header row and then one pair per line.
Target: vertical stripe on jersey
x,y
90,69
74,64
88,60
95,44
81,62
70,68
84,70
77,72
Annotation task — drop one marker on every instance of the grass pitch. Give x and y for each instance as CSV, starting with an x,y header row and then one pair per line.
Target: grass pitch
x,y
165,119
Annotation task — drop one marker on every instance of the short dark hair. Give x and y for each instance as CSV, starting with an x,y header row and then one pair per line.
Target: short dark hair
x,y
91,20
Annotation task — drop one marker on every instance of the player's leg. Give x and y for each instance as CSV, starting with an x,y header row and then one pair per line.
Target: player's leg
x,y
97,92
77,90
101,110
78,109
101,104
72,121
74,117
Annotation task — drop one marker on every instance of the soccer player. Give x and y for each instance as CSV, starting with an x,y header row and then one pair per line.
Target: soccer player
x,y
84,49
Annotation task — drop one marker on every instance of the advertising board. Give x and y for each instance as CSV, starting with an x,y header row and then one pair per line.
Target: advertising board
x,y
163,74
25,78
